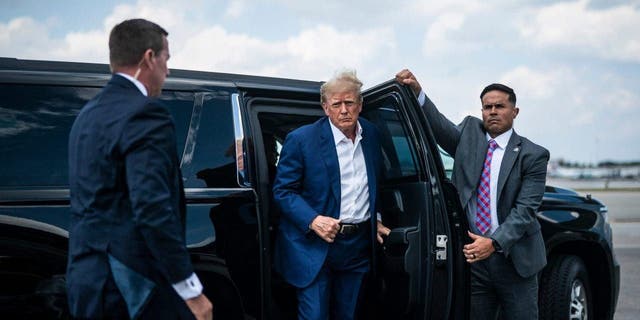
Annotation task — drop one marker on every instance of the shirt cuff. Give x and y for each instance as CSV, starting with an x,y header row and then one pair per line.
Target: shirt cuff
x,y
378,216
188,288
422,97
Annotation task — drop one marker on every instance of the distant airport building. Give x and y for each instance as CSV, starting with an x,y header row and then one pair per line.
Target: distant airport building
x,y
559,170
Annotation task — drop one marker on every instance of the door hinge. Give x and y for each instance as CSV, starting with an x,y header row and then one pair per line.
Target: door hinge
x,y
441,247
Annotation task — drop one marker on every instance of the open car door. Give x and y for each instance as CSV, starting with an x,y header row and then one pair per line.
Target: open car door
x,y
421,272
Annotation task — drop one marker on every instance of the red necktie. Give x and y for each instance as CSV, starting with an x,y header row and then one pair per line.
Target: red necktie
x,y
483,201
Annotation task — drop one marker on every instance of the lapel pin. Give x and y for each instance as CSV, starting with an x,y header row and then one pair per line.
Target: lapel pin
x,y
516,149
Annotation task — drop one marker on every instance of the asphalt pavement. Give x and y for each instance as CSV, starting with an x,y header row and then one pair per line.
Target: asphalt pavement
x,y
629,298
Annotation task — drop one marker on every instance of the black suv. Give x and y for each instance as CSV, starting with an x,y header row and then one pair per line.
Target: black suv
x,y
230,129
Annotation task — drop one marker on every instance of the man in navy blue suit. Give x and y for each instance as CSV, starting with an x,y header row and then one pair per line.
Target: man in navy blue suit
x,y
127,253
326,186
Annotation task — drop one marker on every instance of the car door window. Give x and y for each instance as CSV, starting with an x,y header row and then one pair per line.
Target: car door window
x,y
34,131
399,154
447,162
205,138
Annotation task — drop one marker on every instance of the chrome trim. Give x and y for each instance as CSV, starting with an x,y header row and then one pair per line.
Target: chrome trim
x,y
238,128
197,193
33,224
213,190
192,133
36,195
202,243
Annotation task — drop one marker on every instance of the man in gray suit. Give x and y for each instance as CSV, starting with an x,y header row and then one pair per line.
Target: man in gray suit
x,y
500,177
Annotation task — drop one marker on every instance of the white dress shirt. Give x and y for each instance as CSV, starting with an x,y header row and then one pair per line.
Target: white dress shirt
x,y
496,161
190,287
354,183
135,81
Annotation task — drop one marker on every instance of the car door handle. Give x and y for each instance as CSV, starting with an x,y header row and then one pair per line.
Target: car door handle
x,y
400,235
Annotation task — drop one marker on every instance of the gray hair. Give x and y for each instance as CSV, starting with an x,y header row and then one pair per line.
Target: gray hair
x,y
342,81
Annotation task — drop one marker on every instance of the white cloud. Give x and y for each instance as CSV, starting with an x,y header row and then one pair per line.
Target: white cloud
x,y
622,100
438,37
586,117
436,8
314,52
608,33
78,46
24,37
235,9
215,49
311,54
27,38
536,84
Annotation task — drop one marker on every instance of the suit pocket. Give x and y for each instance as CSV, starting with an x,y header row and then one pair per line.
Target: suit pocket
x,y
135,288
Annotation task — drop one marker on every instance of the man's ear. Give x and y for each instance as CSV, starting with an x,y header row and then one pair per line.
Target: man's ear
x,y
325,108
147,58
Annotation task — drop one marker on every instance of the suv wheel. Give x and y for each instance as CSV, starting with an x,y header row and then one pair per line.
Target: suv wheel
x,y
565,292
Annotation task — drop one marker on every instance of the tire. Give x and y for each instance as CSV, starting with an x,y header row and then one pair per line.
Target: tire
x,y
565,292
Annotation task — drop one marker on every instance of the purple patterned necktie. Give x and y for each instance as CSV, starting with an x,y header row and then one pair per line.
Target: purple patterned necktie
x,y
483,201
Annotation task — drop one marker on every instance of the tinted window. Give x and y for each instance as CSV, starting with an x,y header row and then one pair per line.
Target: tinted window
x,y
35,122
206,138
34,130
180,105
398,151
447,162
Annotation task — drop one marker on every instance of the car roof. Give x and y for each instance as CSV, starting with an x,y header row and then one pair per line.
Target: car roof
x,y
102,73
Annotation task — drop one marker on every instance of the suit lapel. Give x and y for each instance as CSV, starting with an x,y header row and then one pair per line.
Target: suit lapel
x,y
509,158
477,164
369,158
330,158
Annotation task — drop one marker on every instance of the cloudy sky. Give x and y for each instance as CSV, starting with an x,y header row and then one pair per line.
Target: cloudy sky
x,y
575,65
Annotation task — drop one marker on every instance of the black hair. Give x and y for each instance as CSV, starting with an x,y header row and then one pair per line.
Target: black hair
x,y
129,40
500,87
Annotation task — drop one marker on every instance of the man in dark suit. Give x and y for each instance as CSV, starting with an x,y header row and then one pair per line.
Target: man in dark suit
x,y
326,186
500,177
127,253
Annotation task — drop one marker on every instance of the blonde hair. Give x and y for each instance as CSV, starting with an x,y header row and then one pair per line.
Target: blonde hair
x,y
345,80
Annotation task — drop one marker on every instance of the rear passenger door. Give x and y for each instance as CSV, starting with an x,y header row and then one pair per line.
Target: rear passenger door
x,y
420,274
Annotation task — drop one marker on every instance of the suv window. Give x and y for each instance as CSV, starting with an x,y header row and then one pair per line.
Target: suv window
x,y
35,121
205,137
398,152
34,130
447,162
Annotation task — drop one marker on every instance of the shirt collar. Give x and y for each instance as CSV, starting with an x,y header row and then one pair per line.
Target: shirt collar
x,y
338,136
503,139
135,81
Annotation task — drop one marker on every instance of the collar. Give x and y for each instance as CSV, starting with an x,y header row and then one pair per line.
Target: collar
x,y
503,139
135,81
338,136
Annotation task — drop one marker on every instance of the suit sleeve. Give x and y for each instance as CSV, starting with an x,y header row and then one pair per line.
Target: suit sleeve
x,y
522,215
148,142
287,186
447,134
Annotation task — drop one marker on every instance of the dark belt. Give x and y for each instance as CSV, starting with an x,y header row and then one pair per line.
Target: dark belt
x,y
351,228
